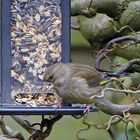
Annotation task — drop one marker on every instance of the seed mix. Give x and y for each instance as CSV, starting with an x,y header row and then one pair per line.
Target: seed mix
x,y
35,45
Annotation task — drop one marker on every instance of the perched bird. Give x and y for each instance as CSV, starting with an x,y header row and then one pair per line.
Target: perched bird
x,y
75,83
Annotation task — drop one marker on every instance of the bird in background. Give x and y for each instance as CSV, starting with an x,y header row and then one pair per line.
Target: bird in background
x,y
75,83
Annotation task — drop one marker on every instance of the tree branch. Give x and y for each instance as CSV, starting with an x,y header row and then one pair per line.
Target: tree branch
x,y
112,109
126,119
120,39
108,49
129,66
9,132
39,134
75,26
115,109
20,121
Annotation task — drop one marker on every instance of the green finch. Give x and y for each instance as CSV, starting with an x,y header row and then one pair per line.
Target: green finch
x,y
75,83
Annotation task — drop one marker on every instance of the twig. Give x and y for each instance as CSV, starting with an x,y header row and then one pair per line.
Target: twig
x,y
128,91
98,62
128,45
127,67
40,135
110,120
123,38
32,125
120,118
110,45
126,134
75,26
126,120
83,129
91,10
135,127
21,121
89,125
122,28
112,108
111,134
9,132
88,12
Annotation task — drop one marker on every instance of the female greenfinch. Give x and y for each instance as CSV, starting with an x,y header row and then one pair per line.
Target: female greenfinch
x,y
75,83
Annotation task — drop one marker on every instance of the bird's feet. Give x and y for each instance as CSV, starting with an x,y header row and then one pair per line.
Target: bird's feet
x,y
87,109
61,103
90,108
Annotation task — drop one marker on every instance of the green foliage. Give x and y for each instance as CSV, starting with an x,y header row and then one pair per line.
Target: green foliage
x,y
96,29
131,15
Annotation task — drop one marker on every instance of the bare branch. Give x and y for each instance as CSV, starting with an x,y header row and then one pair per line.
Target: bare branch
x,y
90,124
112,109
20,121
126,119
122,28
126,134
111,134
83,129
127,67
39,134
120,39
111,120
110,45
75,26
135,127
9,132
123,91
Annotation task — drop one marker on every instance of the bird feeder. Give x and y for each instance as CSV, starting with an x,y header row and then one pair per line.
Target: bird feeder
x,y
34,35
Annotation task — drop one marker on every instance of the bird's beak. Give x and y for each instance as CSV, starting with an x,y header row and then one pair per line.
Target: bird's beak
x,y
50,87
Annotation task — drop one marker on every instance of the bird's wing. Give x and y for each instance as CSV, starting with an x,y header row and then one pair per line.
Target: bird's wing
x,y
91,75
79,91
